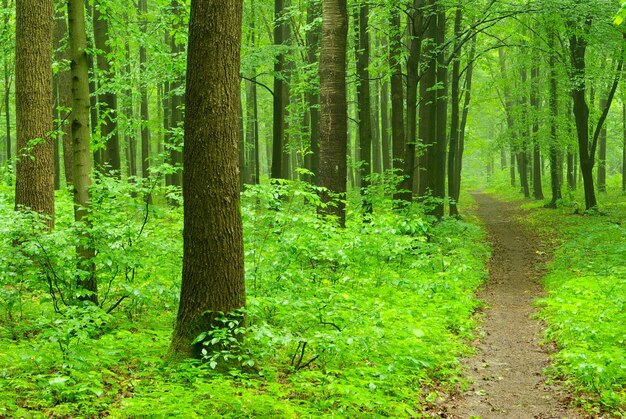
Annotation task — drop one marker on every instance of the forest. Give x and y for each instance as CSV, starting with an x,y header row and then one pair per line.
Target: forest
x,y
313,208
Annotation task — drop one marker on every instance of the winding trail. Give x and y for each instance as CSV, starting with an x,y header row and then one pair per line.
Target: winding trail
x,y
507,369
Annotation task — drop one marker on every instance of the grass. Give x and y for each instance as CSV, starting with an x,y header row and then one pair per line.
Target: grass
x,y
366,321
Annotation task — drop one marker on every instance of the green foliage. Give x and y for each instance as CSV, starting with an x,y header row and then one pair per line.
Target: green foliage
x,y
366,320
585,308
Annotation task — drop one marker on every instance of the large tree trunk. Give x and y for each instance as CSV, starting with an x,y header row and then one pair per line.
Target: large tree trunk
x,y
34,186
365,108
107,99
213,266
333,100
398,139
81,146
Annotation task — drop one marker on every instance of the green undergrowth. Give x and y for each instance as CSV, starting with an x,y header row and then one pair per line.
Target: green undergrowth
x,y
365,321
585,309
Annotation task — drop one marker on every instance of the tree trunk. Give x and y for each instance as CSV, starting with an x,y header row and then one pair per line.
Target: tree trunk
x,y
278,137
398,139
176,103
145,117
384,126
34,186
534,106
624,147
213,267
312,96
107,99
365,108
413,62
455,115
7,92
555,182
86,282
333,100
578,47
64,94
602,153
458,167
428,103
439,185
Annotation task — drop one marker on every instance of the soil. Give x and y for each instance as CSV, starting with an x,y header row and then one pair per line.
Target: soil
x,y
507,370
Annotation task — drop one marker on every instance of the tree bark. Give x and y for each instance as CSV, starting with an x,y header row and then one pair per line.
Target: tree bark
x,y
64,93
333,100
86,280
578,47
455,115
364,101
176,103
534,106
278,136
602,153
555,180
213,266
34,186
312,96
439,186
398,139
145,116
107,99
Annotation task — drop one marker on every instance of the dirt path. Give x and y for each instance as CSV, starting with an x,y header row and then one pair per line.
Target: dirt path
x,y
507,368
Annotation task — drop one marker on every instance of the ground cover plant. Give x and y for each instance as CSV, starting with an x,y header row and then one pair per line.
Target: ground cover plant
x,y
367,320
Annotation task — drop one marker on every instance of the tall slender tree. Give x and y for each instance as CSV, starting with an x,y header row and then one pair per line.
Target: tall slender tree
x,y
86,279
333,100
213,269
34,186
107,98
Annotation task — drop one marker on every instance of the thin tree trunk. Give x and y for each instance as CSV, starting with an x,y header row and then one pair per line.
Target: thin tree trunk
x,y
145,117
176,103
602,153
384,126
312,97
7,92
534,105
364,102
555,182
455,115
81,146
34,185
439,185
279,95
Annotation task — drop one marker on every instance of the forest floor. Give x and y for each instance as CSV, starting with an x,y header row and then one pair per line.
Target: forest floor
x,y
506,371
